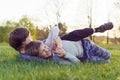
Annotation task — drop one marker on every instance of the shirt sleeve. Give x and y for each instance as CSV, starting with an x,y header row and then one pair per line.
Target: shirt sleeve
x,y
60,60
54,32
71,57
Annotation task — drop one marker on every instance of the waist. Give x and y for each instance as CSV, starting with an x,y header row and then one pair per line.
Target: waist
x,y
84,57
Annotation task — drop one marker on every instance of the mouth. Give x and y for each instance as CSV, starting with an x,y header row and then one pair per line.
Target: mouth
x,y
49,53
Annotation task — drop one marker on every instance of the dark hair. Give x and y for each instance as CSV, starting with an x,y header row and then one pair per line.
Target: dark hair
x,y
33,48
17,37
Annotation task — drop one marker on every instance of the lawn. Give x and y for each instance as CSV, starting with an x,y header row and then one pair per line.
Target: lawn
x,y
12,67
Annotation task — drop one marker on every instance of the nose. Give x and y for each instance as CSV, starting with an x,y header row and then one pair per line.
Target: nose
x,y
46,48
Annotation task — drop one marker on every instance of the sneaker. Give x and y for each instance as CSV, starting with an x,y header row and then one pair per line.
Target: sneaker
x,y
104,27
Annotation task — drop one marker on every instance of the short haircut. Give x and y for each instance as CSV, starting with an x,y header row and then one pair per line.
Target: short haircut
x,y
17,37
33,48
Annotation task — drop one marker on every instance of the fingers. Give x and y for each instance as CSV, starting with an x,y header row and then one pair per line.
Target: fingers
x,y
60,55
57,39
60,52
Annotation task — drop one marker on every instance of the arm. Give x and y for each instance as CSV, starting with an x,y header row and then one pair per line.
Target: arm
x,y
57,47
72,58
57,43
63,60
68,59
52,34
78,34
62,53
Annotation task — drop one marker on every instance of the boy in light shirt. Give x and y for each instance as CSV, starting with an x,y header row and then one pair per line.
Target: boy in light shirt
x,y
64,51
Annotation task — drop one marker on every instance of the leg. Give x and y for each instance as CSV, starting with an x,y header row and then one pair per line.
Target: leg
x,y
104,27
78,34
97,53
83,33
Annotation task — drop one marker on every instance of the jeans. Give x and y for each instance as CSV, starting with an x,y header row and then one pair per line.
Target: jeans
x,y
94,52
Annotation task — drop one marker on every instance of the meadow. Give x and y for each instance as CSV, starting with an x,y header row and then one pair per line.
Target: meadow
x,y
12,67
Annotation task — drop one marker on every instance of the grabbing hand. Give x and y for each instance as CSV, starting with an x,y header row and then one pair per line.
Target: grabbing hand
x,y
60,52
56,42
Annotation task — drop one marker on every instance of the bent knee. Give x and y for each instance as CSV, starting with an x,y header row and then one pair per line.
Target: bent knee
x,y
108,55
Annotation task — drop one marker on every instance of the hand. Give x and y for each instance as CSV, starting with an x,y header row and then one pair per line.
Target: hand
x,y
60,52
54,45
58,42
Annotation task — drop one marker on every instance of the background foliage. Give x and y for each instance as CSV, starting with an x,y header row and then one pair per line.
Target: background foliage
x,y
42,33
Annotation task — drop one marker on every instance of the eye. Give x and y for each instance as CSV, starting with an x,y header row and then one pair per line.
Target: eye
x,y
45,46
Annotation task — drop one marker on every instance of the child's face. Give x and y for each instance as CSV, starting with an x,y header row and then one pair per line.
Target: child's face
x,y
45,51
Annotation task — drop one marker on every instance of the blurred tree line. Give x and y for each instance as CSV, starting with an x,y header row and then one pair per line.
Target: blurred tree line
x,y
43,33
8,26
26,22
38,33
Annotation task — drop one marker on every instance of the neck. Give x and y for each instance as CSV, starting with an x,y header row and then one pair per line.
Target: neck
x,y
22,50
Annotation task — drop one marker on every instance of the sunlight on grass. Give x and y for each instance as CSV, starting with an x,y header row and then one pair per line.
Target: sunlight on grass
x,y
14,68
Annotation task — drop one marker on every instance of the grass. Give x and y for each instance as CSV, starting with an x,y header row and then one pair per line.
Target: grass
x,y
12,67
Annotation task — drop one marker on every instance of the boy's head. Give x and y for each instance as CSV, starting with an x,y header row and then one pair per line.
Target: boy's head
x,y
38,48
19,38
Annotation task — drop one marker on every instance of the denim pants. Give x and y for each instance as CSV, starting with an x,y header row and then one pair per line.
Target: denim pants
x,y
94,52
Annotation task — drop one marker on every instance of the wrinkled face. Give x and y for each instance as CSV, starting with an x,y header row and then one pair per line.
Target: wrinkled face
x,y
45,51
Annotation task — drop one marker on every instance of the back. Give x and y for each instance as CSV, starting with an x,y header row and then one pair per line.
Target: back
x,y
73,47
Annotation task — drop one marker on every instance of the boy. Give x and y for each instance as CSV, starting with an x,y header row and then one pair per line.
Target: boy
x,y
20,37
67,51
